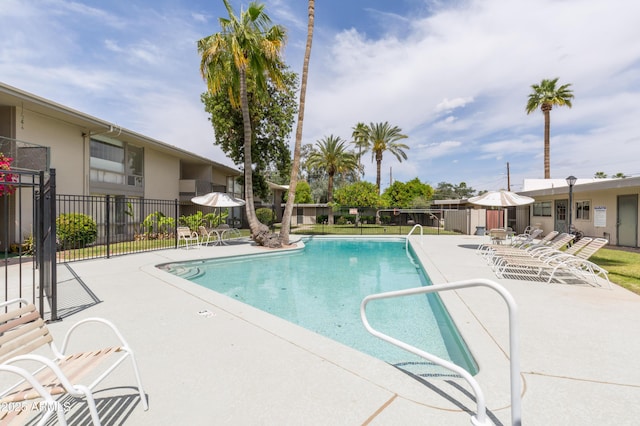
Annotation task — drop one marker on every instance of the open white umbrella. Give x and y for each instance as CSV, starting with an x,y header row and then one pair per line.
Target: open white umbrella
x,y
501,199
218,199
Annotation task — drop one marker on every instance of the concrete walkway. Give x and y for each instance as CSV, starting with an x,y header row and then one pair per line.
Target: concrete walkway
x,y
206,359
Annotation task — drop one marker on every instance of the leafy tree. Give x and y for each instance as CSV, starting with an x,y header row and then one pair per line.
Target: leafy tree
x,y
306,172
420,202
448,191
288,210
464,191
619,175
361,141
600,175
246,46
358,194
401,194
271,123
332,156
75,230
303,193
544,96
266,215
381,137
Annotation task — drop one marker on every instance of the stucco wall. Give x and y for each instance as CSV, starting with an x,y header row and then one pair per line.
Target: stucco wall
x,y
162,175
68,150
603,198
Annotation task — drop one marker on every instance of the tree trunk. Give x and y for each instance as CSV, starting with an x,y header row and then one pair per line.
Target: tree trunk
x,y
378,166
293,180
257,228
330,198
546,109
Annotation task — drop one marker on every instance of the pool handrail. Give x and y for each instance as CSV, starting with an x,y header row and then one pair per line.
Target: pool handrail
x,y
417,225
481,416
406,242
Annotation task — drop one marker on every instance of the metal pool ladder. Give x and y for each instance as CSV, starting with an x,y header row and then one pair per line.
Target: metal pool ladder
x,y
480,418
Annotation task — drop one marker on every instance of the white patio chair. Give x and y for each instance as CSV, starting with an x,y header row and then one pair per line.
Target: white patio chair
x,y
23,332
190,238
21,412
208,236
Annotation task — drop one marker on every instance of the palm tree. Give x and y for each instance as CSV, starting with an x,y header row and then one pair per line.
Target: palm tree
x,y
293,181
382,137
545,96
360,140
248,45
332,155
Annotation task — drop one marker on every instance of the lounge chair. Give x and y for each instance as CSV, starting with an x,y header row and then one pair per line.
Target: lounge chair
x,y
24,336
22,412
189,237
500,258
490,250
559,264
209,236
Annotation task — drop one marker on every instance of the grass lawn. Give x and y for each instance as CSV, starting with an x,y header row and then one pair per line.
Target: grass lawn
x,y
623,267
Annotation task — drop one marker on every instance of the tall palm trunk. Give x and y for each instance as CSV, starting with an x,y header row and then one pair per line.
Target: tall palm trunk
x,y
330,198
378,169
254,224
546,109
293,180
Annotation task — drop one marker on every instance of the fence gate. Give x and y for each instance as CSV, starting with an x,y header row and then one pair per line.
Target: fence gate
x,y
27,238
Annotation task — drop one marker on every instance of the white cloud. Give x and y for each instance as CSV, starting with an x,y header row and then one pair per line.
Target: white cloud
x,y
448,105
455,80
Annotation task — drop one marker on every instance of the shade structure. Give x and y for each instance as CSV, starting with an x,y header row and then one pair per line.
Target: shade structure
x,y
218,199
501,199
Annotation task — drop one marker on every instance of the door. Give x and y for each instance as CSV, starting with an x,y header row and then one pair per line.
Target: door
x,y
495,219
627,221
300,216
561,222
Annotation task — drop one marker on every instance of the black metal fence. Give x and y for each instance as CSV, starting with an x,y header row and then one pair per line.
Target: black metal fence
x,y
91,227
26,235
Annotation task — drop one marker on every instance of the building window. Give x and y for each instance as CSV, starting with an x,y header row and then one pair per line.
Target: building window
x,y
542,209
582,210
116,163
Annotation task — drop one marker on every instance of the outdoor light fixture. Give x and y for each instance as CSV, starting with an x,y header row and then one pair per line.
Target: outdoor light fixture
x,y
571,180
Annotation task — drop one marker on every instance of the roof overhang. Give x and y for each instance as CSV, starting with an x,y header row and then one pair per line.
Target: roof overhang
x,y
11,96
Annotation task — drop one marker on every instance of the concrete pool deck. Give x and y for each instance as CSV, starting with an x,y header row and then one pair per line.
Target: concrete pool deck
x,y
207,359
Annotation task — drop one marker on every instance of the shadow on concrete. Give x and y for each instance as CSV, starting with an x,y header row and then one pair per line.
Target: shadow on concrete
x,y
112,410
73,294
443,393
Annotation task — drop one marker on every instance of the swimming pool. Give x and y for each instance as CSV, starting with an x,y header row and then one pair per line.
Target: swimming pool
x,y
321,287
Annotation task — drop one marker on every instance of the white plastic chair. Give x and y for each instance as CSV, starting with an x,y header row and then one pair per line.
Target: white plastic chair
x,y
23,331
189,237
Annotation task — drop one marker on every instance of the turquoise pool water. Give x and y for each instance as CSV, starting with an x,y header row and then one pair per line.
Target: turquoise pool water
x,y
321,287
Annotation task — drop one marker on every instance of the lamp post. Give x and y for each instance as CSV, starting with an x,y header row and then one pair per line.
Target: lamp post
x,y
571,180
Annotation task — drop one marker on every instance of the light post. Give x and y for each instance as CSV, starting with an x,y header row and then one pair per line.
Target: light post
x,y
571,180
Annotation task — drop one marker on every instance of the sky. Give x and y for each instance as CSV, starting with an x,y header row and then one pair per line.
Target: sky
x,y
453,75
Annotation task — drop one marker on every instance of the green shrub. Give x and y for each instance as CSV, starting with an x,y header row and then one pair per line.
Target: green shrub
x,y
75,230
265,216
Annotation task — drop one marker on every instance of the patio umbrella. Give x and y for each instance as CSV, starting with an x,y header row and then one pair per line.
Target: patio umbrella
x,y
501,199
218,199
